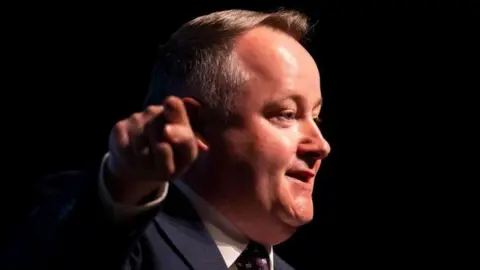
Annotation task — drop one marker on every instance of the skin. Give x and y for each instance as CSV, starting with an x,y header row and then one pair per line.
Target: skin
x,y
275,132
243,169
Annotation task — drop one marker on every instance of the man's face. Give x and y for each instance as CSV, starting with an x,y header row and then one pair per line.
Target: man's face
x,y
271,154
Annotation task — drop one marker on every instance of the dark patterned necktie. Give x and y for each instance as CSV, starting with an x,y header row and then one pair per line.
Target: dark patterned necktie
x,y
254,257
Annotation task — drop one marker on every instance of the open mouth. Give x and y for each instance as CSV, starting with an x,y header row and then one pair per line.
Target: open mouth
x,y
303,176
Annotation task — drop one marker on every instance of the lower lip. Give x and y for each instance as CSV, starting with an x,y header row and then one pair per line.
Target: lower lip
x,y
298,181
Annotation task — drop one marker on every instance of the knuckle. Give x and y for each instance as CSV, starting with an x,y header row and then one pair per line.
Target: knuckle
x,y
170,99
123,142
136,119
152,110
120,134
173,102
162,149
173,133
120,125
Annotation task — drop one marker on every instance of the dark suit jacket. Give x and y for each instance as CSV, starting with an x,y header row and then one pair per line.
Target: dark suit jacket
x,y
71,230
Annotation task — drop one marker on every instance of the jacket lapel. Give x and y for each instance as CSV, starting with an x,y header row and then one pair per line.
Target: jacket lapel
x,y
280,264
183,227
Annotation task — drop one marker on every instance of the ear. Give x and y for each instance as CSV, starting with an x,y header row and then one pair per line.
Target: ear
x,y
196,118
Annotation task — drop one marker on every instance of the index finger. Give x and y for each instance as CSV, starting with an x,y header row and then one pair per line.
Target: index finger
x,y
175,111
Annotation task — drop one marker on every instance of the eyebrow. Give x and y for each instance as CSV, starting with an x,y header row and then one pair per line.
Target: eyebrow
x,y
297,98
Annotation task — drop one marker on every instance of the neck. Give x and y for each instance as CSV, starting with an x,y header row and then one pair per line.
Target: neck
x,y
210,184
203,181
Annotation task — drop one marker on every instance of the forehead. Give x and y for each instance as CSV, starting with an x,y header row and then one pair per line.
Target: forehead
x,y
276,61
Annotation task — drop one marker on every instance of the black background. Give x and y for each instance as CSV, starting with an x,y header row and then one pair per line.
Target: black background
x,y
395,75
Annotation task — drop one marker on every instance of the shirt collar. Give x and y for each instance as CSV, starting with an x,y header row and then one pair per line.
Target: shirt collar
x,y
230,240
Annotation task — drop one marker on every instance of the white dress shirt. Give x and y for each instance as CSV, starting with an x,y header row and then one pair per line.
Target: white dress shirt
x,y
230,241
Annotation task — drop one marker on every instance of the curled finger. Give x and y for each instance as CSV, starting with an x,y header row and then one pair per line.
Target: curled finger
x,y
183,142
163,157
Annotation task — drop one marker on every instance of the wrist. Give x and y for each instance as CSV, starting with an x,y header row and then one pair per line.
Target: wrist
x,y
124,189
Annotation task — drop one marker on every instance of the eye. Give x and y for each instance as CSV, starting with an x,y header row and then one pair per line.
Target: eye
x,y
288,115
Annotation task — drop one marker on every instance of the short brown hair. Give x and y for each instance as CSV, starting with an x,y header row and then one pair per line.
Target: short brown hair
x,y
198,59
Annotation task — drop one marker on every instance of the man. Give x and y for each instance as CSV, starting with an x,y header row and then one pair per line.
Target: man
x,y
212,176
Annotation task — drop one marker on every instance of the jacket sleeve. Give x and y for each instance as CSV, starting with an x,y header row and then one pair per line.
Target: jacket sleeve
x,y
125,213
72,227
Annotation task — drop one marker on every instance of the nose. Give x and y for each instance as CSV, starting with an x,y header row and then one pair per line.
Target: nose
x,y
313,143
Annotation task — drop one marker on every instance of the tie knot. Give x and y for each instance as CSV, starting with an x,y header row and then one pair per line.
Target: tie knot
x,y
255,256
257,249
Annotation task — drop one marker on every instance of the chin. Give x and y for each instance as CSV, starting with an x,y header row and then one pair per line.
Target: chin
x,y
299,214
286,221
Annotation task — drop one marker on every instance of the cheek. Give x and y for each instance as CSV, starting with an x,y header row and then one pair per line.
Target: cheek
x,y
261,150
274,149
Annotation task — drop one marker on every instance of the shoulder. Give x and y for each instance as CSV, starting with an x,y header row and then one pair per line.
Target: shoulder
x,y
55,195
36,235
68,183
54,184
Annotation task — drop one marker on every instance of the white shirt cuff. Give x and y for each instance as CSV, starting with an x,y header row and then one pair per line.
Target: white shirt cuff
x,y
122,211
